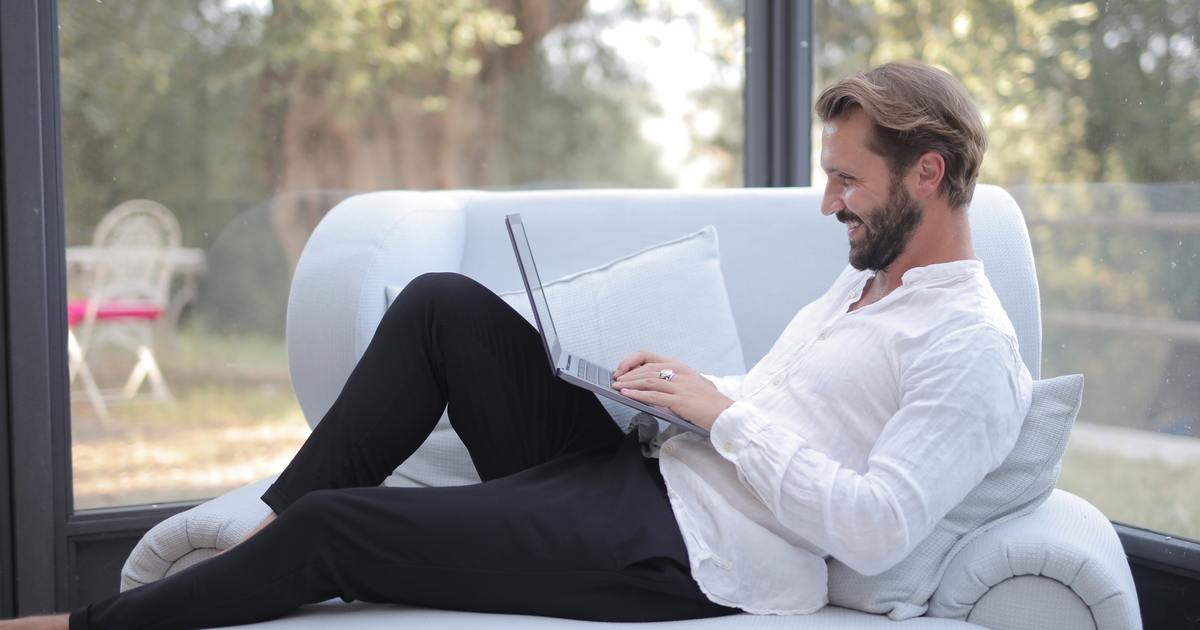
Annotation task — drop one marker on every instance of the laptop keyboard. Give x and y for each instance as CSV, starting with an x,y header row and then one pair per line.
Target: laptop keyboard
x,y
592,373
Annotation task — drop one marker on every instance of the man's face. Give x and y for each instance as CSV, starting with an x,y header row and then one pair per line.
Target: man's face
x,y
880,214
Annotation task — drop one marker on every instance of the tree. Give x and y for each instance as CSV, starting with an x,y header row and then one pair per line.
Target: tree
x,y
387,94
211,109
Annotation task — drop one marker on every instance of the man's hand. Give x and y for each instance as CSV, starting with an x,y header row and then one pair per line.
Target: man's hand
x,y
688,394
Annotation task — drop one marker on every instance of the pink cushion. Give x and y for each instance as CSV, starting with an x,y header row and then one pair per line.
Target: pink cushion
x,y
77,310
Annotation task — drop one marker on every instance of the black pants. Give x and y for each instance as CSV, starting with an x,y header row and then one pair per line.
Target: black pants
x,y
569,520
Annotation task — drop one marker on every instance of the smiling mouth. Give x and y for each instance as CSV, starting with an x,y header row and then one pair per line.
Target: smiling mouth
x,y
853,223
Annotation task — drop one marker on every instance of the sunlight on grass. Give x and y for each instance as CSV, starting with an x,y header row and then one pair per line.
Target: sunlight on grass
x,y
234,419
194,345
206,443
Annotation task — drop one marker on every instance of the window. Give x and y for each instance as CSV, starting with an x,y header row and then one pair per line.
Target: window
x,y
1092,112
203,141
84,546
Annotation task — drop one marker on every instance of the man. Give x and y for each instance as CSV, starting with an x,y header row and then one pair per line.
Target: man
x,y
880,406
883,402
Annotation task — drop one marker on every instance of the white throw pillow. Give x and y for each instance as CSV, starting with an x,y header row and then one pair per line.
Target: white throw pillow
x,y
668,298
1018,486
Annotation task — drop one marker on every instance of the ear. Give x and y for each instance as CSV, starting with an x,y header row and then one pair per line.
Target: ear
x,y
929,171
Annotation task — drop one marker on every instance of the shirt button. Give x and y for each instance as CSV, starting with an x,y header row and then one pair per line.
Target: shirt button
x,y
778,379
728,446
670,449
823,336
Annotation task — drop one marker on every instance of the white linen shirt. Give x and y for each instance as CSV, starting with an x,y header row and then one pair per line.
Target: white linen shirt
x,y
852,437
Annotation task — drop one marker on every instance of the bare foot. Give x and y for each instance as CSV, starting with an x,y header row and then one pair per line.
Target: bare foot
x,y
266,521
40,622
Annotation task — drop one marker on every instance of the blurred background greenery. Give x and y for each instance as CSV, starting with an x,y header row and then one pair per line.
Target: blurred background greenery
x,y
250,119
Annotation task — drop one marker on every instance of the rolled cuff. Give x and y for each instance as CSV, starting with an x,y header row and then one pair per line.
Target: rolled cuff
x,y
733,431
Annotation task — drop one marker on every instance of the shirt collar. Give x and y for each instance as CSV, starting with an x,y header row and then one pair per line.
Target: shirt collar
x,y
940,271
921,275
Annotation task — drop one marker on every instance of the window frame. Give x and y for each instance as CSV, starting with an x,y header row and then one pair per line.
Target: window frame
x,y
36,504
33,279
777,111
36,495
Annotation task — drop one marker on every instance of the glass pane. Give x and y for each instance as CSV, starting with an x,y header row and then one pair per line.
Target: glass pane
x,y
1092,111
204,140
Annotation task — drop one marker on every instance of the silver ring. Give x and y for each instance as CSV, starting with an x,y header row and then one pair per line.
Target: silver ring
x,y
667,374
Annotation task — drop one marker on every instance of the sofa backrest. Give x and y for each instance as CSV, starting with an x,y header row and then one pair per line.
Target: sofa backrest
x,y
777,251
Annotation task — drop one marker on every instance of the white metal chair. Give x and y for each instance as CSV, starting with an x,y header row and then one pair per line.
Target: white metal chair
x,y
128,292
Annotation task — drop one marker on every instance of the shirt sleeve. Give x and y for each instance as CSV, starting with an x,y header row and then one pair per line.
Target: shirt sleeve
x,y
962,403
729,386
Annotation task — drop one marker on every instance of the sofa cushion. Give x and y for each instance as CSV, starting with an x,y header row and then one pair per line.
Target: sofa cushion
x,y
669,298
1022,482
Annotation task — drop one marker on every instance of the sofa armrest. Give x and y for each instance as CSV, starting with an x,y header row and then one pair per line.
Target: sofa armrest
x,y
337,298
1058,567
193,535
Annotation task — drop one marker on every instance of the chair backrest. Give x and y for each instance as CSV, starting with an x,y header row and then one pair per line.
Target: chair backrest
x,y
133,244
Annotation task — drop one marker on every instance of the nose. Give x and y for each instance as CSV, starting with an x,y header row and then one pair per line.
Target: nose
x,y
831,205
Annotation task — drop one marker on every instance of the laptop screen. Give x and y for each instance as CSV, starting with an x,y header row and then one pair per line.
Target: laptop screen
x,y
541,310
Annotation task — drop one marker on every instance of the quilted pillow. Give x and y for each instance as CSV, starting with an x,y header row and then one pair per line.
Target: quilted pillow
x,y
669,298
1021,483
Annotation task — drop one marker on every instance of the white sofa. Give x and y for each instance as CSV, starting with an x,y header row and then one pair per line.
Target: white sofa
x,y
1060,567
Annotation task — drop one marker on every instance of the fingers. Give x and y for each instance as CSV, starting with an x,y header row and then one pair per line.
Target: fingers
x,y
646,384
636,359
628,363
646,370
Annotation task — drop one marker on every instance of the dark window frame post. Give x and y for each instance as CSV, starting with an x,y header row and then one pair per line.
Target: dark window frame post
x,y
34,279
778,94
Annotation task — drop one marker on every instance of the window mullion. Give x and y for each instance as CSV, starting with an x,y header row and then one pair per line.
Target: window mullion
x,y
778,99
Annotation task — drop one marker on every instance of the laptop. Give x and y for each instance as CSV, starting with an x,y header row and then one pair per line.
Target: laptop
x,y
565,365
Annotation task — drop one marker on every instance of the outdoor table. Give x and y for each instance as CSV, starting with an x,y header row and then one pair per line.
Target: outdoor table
x,y
189,263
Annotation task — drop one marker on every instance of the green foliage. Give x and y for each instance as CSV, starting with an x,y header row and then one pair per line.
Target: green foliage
x,y
575,123
1071,91
248,280
364,51
144,114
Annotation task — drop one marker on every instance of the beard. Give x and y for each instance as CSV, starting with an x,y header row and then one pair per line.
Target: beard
x,y
891,228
